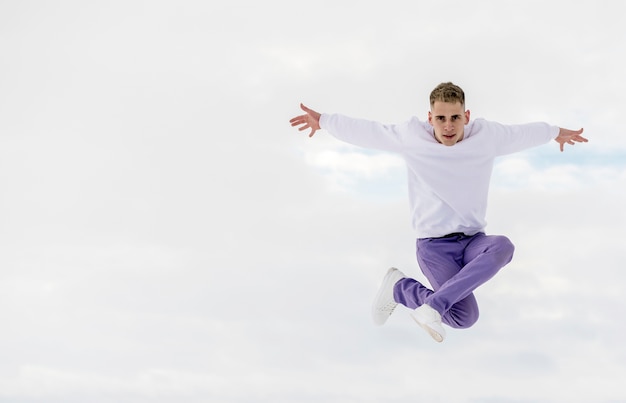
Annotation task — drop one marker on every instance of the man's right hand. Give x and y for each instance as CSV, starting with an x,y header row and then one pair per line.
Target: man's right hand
x,y
310,120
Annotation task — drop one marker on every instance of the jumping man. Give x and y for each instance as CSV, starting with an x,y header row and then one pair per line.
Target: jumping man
x,y
449,160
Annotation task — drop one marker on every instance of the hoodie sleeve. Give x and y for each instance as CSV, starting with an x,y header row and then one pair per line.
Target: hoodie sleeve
x,y
364,133
509,139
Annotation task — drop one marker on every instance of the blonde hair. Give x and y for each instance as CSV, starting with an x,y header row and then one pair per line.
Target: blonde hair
x,y
447,92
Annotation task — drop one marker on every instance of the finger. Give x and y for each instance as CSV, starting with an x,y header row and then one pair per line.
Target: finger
x,y
577,132
301,121
578,139
573,133
296,120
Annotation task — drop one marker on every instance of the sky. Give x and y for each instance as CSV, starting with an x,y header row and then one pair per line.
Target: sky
x,y
167,236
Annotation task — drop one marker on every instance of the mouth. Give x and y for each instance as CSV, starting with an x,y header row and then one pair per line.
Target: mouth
x,y
448,138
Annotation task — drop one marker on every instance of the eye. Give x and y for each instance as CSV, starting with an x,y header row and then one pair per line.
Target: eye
x,y
441,118
455,117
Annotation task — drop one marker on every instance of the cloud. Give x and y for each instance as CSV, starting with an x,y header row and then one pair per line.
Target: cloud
x,y
348,168
540,171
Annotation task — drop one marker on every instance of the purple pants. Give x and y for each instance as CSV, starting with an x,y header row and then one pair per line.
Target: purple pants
x,y
455,266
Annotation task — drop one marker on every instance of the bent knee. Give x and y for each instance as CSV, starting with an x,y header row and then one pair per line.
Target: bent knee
x,y
464,323
461,319
505,247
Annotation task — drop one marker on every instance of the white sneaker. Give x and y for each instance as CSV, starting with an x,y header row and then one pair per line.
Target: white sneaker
x,y
384,304
430,320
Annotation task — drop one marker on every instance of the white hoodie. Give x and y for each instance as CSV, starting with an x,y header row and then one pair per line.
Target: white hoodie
x,y
448,185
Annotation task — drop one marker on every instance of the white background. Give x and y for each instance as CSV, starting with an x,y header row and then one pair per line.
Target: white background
x,y
166,236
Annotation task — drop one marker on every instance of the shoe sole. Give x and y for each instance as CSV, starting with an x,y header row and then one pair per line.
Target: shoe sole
x,y
381,290
432,332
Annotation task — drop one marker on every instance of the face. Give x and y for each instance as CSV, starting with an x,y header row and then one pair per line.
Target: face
x,y
448,121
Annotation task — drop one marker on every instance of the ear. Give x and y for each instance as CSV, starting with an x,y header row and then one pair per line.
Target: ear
x,y
467,116
430,118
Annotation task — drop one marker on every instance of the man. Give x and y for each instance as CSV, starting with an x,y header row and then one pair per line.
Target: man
x,y
449,161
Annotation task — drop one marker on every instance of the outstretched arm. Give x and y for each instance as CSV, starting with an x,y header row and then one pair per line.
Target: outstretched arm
x,y
310,120
569,137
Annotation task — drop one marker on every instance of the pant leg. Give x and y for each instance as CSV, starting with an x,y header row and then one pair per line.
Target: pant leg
x,y
440,260
483,256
